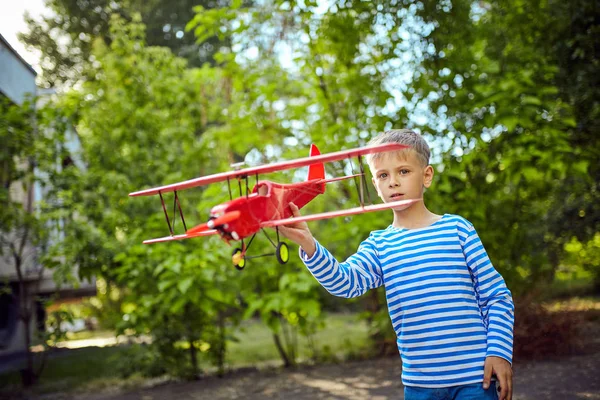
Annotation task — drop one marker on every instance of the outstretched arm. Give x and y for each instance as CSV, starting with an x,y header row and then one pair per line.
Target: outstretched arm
x,y
299,233
359,273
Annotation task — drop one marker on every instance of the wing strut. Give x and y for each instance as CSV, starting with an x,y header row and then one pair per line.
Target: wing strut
x,y
177,204
166,213
361,187
363,181
361,190
180,212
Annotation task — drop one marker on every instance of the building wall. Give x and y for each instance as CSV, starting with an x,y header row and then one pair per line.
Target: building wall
x,y
17,78
17,82
14,339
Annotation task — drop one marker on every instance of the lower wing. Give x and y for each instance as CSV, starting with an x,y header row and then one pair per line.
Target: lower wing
x,y
181,237
341,213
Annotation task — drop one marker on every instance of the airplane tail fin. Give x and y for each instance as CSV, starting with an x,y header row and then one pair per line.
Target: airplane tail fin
x,y
315,171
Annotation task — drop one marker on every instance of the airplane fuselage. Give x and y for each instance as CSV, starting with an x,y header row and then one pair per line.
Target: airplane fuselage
x,y
267,201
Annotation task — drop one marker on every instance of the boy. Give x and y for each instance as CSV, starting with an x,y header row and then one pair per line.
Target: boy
x,y
451,310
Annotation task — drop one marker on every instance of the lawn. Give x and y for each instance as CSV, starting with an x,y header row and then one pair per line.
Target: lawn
x,y
343,334
94,367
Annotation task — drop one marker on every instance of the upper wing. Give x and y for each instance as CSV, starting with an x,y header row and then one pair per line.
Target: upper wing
x,y
263,169
341,213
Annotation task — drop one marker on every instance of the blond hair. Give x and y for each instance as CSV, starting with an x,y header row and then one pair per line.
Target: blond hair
x,y
402,136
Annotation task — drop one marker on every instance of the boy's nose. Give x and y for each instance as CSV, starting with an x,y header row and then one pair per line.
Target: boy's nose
x,y
394,183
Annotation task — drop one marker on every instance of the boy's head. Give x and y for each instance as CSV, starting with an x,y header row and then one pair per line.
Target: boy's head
x,y
402,174
417,144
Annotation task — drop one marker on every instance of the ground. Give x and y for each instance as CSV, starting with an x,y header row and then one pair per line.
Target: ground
x,y
561,378
569,378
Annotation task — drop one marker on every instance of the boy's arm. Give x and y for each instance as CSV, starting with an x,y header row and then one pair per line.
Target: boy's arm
x,y
299,233
494,298
359,273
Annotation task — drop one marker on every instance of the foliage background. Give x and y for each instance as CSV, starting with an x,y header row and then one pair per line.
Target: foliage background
x,y
505,91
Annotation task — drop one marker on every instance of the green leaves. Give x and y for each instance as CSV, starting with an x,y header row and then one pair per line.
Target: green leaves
x,y
511,139
515,131
185,284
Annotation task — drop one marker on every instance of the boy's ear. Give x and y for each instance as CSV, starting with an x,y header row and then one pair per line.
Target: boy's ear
x,y
376,187
428,176
374,184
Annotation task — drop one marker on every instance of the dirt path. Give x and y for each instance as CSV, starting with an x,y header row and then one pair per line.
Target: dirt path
x,y
571,378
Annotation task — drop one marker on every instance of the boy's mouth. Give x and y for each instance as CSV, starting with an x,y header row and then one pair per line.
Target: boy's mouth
x,y
396,195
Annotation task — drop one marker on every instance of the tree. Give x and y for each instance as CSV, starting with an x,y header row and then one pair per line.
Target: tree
x,y
20,227
26,160
486,96
65,38
334,93
141,122
494,82
484,81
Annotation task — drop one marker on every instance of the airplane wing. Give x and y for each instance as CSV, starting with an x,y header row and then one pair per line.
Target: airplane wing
x,y
340,213
181,237
263,169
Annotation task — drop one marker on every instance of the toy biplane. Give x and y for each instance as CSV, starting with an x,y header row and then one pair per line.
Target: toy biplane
x,y
267,204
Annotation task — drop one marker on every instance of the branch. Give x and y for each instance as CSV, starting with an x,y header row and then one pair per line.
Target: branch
x,y
17,258
323,85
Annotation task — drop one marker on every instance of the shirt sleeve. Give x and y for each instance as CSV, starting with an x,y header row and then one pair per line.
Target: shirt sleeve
x,y
494,298
352,278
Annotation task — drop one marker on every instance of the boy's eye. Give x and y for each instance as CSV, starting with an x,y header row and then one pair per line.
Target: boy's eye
x,y
404,171
383,175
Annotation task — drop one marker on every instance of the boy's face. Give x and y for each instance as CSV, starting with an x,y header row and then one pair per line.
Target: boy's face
x,y
400,176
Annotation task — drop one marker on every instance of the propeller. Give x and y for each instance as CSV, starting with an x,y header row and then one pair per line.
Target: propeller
x,y
211,224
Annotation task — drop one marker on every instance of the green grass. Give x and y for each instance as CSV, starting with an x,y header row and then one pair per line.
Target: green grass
x,y
94,368
585,304
564,289
69,369
343,333
90,335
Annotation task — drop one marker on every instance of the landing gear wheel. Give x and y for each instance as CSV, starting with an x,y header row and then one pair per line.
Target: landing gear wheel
x,y
282,253
238,260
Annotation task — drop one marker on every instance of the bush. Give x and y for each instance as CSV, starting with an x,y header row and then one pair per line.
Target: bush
x,y
540,333
140,359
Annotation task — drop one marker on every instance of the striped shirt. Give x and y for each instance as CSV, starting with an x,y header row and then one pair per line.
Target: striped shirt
x,y
449,307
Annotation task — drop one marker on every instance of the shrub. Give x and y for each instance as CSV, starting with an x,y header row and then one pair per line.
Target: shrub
x,y
540,333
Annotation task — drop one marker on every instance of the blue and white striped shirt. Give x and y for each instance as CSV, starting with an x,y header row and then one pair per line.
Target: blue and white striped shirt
x,y
448,305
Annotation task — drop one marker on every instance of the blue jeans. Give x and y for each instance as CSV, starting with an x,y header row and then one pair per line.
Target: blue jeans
x,y
465,392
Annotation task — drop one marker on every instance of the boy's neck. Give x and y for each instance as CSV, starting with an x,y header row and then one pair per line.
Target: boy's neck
x,y
415,216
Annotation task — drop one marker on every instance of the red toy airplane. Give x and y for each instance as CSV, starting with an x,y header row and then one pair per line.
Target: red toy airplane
x,y
267,205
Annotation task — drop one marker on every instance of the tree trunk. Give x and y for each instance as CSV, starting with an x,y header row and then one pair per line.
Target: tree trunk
x,y
282,353
28,377
193,358
222,350
191,336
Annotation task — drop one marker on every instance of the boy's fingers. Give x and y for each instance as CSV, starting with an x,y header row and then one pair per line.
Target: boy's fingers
x,y
487,374
509,386
295,210
503,387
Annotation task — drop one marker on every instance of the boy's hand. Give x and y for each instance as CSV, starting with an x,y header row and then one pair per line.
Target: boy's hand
x,y
299,233
503,371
